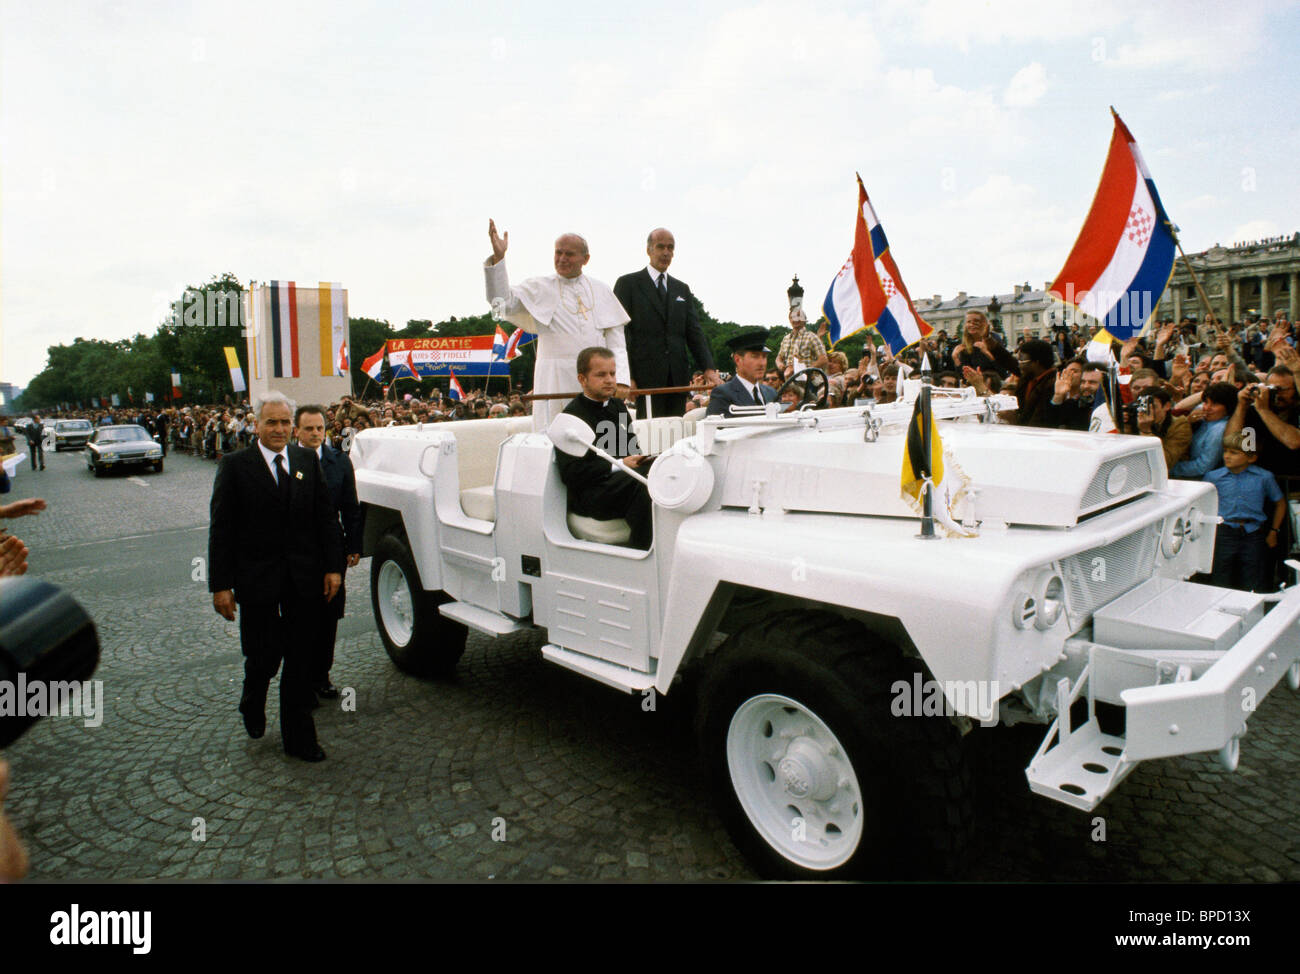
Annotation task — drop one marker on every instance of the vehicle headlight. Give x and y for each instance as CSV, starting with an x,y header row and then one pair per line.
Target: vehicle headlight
x,y
1175,533
1040,602
1051,601
1195,521
156,452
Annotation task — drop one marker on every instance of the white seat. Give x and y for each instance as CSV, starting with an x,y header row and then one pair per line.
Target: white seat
x,y
477,443
479,502
616,531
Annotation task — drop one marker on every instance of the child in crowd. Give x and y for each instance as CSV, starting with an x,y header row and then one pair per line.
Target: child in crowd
x,y
1252,508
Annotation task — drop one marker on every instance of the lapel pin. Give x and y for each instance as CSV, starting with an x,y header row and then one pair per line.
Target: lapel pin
x,y
297,475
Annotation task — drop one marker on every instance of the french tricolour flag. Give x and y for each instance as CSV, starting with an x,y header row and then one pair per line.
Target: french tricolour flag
x,y
868,291
518,337
1124,256
375,364
454,390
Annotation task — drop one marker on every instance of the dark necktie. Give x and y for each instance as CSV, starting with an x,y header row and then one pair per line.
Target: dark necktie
x,y
663,290
282,479
758,396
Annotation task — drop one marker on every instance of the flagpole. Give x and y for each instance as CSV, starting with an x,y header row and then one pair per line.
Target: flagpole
x,y
1209,312
927,501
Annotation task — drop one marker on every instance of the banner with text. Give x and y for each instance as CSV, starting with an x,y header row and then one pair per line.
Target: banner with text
x,y
469,355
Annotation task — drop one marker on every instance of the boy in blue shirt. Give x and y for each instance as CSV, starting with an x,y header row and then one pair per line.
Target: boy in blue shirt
x,y
1252,508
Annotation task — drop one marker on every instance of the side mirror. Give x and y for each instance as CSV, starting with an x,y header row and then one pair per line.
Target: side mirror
x,y
571,435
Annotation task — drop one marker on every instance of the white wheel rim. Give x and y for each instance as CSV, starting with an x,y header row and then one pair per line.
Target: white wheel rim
x,y
395,610
794,781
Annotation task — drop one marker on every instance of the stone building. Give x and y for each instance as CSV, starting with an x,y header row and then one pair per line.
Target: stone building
x,y
1023,309
1254,279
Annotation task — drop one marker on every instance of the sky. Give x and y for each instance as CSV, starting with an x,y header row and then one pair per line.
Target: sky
x,y
149,146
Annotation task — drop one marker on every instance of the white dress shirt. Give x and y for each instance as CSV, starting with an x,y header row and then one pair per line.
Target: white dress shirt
x,y
270,455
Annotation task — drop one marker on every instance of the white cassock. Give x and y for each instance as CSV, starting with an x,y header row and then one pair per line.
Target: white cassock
x,y
567,315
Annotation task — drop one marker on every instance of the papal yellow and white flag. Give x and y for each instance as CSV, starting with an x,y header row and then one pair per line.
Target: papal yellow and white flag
x,y
950,481
236,373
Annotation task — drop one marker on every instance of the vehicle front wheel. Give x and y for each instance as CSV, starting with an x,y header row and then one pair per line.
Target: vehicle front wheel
x,y
157,466
97,470
813,775
420,641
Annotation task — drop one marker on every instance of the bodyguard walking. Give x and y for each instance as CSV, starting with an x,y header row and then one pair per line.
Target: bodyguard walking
x,y
276,551
341,482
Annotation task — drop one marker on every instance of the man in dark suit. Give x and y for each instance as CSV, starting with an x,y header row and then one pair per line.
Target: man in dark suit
x,y
275,548
595,488
663,326
746,388
341,482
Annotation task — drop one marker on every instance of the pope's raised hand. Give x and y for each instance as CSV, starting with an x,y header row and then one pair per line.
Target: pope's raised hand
x,y
499,241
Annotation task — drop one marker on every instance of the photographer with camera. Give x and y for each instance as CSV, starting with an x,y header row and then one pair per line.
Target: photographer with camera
x,y
1153,416
1272,410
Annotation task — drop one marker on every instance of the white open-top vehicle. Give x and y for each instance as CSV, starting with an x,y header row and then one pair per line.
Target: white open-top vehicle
x,y
788,585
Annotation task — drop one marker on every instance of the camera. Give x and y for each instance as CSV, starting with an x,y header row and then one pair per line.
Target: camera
x,y
45,637
1269,393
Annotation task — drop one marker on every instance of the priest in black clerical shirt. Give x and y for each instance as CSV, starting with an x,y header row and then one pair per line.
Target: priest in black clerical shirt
x,y
595,488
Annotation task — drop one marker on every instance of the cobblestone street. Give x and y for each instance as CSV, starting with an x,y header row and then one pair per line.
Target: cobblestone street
x,y
515,769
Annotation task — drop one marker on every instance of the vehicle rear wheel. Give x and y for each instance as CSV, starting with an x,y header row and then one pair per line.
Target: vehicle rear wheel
x,y
813,775
157,466
420,641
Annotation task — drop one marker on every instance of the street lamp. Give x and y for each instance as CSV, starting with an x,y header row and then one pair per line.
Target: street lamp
x,y
995,307
795,293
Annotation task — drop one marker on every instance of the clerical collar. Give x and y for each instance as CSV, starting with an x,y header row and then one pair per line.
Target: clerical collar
x,y
654,275
602,403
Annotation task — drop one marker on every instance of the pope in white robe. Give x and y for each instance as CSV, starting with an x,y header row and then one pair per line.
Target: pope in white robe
x,y
567,310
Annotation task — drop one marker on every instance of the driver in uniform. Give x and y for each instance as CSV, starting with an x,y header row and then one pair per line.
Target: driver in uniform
x,y
746,388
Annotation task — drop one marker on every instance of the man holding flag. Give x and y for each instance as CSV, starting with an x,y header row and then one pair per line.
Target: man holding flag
x,y
868,292
1124,256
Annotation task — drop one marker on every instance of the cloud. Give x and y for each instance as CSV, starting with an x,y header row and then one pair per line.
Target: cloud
x,y
1027,86
1255,229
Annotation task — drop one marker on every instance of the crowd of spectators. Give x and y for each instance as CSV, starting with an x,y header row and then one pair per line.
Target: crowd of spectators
x,y
1190,384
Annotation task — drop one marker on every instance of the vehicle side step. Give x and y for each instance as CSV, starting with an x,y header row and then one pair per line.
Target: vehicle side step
x,y
1081,770
1078,766
610,674
482,620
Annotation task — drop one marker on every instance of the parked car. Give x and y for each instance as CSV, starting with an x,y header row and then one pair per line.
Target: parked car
x,y
122,446
71,433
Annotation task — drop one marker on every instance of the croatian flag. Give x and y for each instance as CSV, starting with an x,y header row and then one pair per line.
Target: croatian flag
x,y
406,363
868,291
518,337
499,344
342,364
454,390
374,365
1124,255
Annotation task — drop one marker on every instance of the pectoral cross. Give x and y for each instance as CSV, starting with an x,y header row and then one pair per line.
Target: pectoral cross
x,y
582,308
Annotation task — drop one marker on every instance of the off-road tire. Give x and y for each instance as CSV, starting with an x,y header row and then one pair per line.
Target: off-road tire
x,y
915,787
434,644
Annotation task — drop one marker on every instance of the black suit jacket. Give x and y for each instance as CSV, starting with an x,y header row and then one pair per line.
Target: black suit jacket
x,y
341,482
732,392
255,545
588,476
658,336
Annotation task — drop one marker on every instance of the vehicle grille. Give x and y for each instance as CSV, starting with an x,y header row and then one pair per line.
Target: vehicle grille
x,y
1098,575
1137,476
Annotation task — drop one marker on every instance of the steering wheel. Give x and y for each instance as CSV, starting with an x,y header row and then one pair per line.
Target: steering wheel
x,y
815,388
